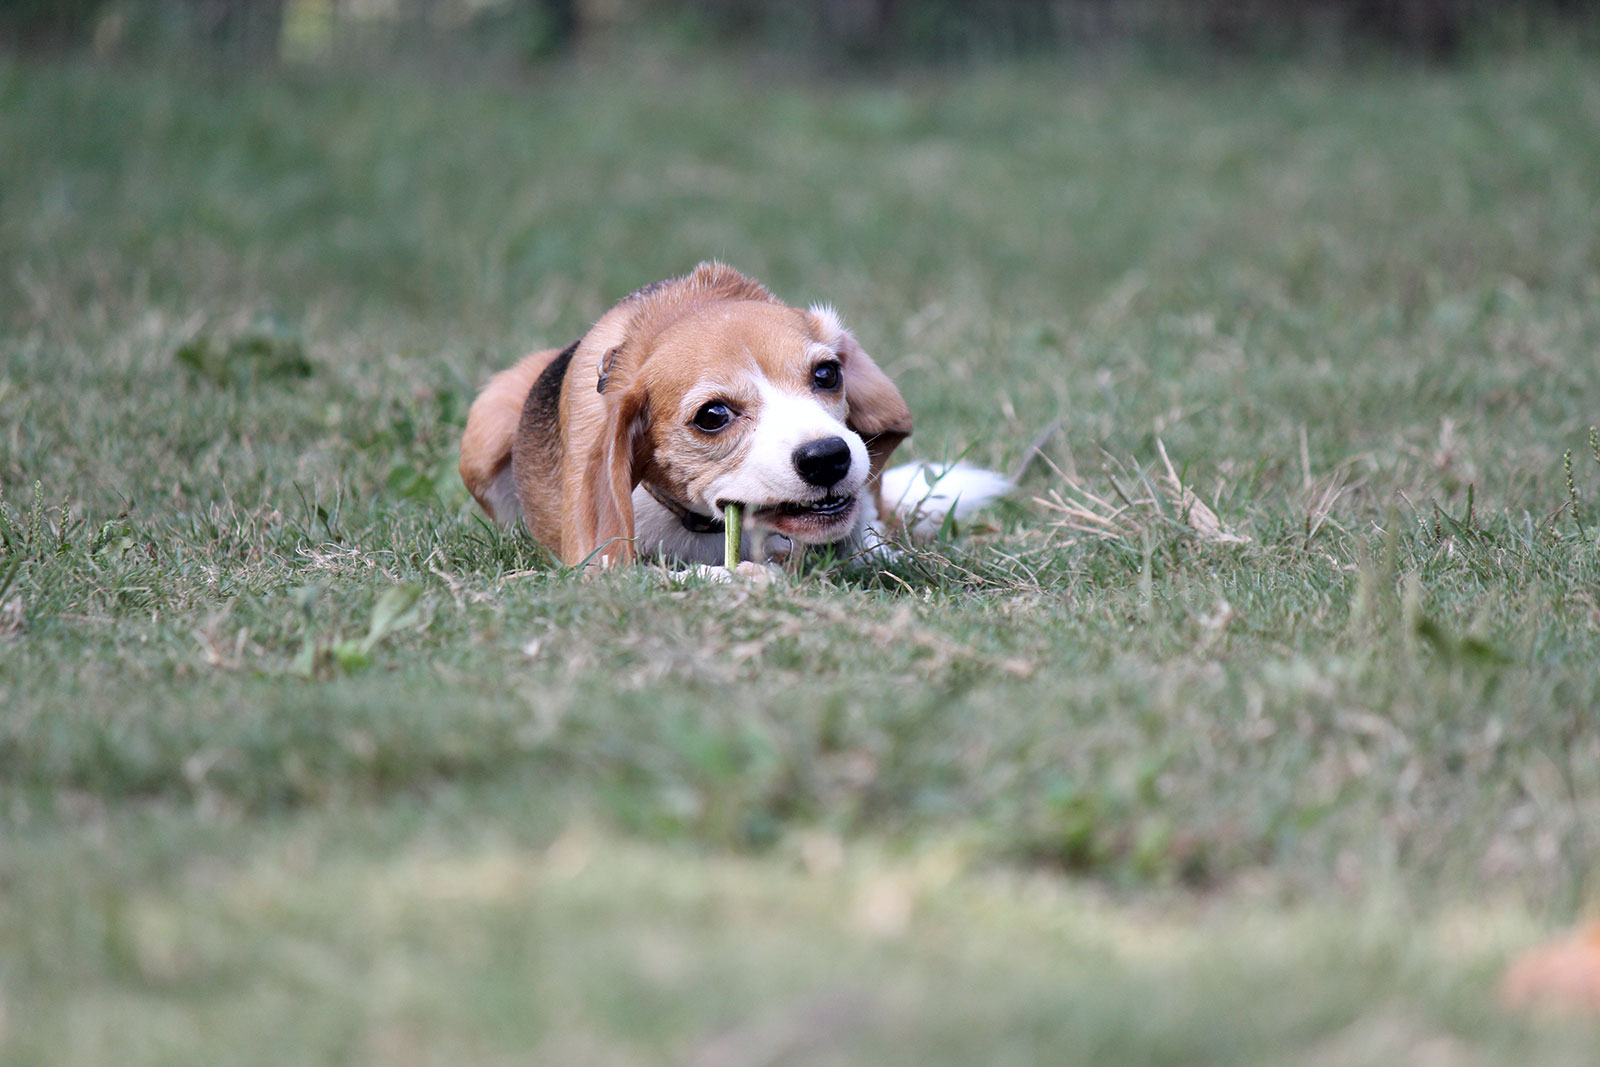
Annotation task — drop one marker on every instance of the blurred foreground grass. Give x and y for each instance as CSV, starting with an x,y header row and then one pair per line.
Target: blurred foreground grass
x,y
300,761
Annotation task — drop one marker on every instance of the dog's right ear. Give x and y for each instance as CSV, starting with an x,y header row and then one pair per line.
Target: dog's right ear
x,y
878,413
598,526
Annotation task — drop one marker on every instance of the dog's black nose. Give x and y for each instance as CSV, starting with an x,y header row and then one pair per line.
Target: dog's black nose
x,y
822,463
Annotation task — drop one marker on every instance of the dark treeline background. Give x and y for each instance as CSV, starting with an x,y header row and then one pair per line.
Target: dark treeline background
x,y
831,31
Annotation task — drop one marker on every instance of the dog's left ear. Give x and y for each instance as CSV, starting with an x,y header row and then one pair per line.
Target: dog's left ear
x,y
877,410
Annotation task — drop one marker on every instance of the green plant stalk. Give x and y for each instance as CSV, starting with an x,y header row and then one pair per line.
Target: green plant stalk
x,y
732,531
1572,492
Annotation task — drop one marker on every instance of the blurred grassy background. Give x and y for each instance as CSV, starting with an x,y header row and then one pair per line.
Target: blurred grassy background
x,y
300,761
850,33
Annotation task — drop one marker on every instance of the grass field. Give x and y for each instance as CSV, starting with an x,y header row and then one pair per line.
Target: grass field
x,y
300,762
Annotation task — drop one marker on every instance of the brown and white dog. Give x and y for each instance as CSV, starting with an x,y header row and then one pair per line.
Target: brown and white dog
x,y
690,394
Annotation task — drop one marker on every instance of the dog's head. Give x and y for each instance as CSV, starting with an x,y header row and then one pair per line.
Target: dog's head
x,y
720,394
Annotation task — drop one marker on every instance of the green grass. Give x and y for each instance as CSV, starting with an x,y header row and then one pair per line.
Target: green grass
x,y
302,762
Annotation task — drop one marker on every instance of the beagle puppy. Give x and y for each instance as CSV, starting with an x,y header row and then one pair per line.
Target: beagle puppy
x,y
690,394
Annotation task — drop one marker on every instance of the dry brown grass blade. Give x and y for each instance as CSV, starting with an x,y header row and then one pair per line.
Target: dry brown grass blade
x,y
1199,518
1081,513
1319,499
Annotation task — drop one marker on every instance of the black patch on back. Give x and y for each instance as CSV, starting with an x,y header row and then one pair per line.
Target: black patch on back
x,y
543,405
648,290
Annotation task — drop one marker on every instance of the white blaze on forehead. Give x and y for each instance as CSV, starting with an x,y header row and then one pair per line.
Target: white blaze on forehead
x,y
767,476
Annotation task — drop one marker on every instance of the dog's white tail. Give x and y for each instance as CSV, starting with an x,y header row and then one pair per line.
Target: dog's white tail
x,y
924,494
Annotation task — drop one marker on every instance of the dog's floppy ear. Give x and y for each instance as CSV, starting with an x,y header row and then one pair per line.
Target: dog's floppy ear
x,y
598,510
877,410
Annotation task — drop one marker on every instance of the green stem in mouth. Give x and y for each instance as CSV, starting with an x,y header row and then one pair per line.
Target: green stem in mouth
x,y
732,529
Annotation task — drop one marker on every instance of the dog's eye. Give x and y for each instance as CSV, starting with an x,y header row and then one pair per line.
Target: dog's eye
x,y
713,417
827,376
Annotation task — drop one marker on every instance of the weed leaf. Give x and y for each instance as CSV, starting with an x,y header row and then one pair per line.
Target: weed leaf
x,y
399,607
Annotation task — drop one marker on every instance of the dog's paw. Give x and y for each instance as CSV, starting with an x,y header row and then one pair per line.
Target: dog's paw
x,y
876,547
753,573
757,573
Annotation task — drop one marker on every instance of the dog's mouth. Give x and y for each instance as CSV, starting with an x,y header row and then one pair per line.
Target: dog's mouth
x,y
809,520
826,508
